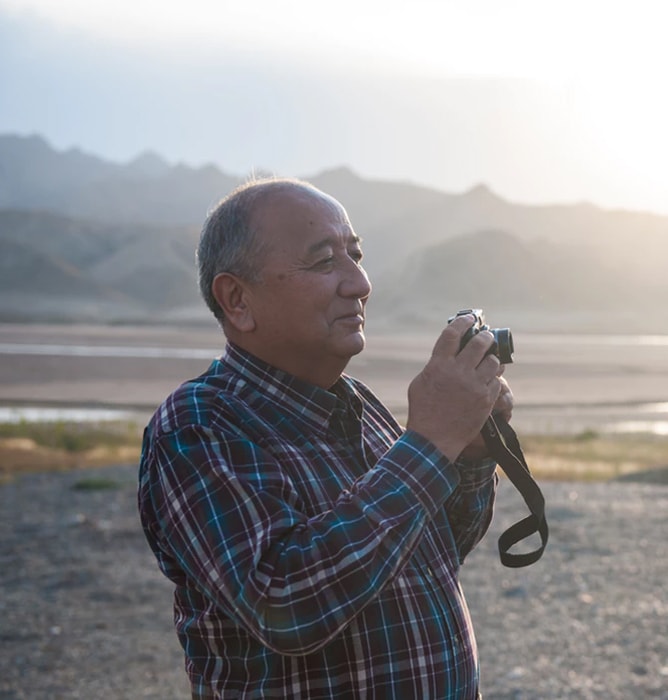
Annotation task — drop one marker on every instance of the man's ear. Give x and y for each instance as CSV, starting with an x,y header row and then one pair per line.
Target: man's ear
x,y
232,294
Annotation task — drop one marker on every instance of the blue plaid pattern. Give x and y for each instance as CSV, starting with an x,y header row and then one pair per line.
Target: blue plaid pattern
x,y
313,543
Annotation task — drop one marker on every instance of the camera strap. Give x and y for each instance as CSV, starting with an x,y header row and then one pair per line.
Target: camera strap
x,y
504,447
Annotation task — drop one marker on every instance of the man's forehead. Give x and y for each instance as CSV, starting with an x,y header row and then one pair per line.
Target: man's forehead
x,y
295,197
303,212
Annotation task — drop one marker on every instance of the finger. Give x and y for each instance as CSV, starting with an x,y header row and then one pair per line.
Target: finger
x,y
478,348
505,402
494,389
506,391
488,369
507,415
504,383
450,340
504,405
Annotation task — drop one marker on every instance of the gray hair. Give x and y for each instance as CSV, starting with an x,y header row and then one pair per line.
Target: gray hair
x,y
229,240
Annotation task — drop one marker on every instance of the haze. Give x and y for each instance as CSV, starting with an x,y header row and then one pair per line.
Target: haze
x,y
544,102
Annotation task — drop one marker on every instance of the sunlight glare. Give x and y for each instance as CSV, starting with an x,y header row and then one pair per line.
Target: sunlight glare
x,y
624,121
517,38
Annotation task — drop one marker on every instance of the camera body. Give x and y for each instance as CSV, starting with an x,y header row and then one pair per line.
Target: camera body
x,y
503,346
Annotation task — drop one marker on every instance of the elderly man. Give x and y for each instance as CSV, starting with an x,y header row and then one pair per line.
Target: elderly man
x,y
313,542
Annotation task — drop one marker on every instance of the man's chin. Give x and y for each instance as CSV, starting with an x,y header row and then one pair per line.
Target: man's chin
x,y
355,343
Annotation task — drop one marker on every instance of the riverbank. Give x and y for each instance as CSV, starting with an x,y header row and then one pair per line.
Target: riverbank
x,y
586,407
563,384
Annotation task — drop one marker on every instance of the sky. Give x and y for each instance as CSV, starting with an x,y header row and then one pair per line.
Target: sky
x,y
544,102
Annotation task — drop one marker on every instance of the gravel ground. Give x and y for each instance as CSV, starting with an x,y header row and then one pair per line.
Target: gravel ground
x,y
84,613
590,619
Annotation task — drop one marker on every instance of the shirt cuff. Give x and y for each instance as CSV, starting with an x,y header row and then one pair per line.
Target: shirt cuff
x,y
475,473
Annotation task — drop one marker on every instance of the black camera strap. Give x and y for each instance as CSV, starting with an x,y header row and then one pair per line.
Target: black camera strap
x,y
504,447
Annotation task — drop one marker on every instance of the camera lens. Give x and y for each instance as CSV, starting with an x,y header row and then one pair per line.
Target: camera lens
x,y
504,345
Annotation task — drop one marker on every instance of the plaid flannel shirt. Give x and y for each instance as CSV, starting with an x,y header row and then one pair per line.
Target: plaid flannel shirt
x,y
313,543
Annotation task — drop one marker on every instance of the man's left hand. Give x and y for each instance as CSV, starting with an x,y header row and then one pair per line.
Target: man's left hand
x,y
503,407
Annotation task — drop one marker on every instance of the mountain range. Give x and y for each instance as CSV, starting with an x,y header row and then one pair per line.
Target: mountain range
x,y
85,239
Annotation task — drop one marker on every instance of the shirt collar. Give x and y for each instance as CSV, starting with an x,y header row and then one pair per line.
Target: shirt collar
x,y
309,402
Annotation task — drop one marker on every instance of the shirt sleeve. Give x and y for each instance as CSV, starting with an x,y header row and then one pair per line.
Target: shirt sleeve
x,y
471,506
221,515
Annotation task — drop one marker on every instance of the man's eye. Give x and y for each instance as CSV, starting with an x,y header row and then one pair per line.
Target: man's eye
x,y
356,255
325,262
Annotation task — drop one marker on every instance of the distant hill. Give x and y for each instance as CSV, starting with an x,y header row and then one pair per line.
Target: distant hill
x,y
511,278
146,190
85,239
53,267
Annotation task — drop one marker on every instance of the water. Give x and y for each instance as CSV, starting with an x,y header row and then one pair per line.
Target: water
x,y
38,414
642,418
536,341
654,420
640,426
107,351
596,339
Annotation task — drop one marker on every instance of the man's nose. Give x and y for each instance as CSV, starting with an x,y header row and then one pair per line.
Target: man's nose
x,y
355,282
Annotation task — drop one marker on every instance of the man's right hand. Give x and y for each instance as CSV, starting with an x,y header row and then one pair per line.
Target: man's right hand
x,y
450,399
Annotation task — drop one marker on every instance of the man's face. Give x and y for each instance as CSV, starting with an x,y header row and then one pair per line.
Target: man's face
x,y
309,304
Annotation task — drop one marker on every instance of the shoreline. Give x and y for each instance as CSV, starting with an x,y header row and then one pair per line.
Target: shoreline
x,y
564,387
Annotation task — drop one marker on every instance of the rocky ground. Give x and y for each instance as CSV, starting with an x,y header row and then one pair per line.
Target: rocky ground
x,y
590,619
84,612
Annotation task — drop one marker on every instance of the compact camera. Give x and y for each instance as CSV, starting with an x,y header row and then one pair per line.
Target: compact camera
x,y
503,346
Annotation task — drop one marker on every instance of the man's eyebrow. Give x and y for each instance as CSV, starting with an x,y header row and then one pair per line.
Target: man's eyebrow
x,y
331,241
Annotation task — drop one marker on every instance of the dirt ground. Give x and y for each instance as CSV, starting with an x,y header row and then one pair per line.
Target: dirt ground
x,y
84,612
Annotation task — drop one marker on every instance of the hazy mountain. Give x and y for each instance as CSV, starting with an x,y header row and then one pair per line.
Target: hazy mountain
x,y
55,267
508,277
146,190
82,238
